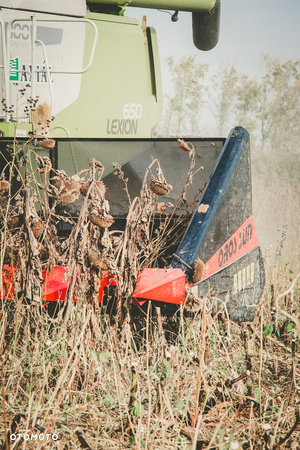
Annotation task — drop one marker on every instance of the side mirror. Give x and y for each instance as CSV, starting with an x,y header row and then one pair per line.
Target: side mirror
x,y
206,28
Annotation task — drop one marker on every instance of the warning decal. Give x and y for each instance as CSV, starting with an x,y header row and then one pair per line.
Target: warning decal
x,y
240,243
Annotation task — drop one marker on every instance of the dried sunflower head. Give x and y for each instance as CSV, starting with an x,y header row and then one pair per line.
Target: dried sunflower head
x,y
38,227
4,185
99,188
97,165
47,143
101,220
198,271
160,187
68,189
69,197
96,259
15,221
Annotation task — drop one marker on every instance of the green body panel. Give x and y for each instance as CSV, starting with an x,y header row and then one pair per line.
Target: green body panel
x,y
121,94
15,129
177,5
104,68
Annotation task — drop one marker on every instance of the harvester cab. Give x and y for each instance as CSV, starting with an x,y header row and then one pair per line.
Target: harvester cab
x,y
84,74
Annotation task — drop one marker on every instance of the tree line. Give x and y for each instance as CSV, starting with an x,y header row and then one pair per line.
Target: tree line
x,y
269,108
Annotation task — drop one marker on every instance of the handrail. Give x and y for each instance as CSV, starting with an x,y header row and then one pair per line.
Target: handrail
x,y
86,68
6,81
74,72
33,81
47,69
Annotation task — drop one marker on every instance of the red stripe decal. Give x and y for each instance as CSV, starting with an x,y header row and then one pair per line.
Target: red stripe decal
x,y
240,243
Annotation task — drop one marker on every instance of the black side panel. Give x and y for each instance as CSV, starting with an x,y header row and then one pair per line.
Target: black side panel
x,y
237,288
135,155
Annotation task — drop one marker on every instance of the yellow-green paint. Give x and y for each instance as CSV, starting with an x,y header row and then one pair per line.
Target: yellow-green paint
x,y
15,129
176,5
120,75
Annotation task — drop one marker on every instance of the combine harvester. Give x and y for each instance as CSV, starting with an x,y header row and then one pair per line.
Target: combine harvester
x,y
98,73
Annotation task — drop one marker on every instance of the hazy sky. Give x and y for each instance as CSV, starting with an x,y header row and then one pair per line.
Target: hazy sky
x,y
248,29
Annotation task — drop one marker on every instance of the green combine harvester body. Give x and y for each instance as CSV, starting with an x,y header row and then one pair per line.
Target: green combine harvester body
x,y
89,77
99,72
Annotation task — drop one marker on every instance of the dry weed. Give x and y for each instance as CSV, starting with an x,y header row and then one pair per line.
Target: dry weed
x,y
190,381
95,386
